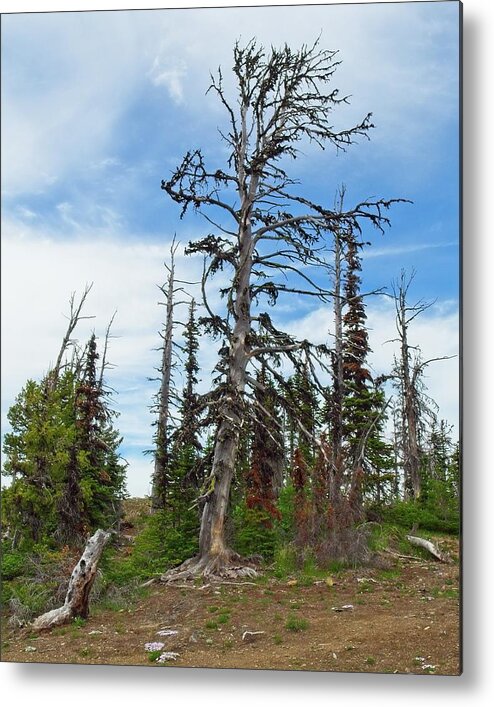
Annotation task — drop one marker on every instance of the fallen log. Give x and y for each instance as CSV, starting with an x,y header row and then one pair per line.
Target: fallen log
x,y
81,581
430,547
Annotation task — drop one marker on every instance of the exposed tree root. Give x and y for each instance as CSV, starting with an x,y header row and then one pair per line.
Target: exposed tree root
x,y
228,565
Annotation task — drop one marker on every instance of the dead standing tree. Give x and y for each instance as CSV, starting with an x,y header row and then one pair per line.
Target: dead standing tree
x,y
408,371
74,318
283,98
162,437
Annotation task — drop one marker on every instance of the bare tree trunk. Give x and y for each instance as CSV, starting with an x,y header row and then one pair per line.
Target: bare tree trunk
x,y
104,361
212,536
74,318
411,456
430,547
214,555
80,585
159,486
337,402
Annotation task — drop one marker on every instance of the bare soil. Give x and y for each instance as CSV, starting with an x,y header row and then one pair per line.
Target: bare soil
x,y
402,620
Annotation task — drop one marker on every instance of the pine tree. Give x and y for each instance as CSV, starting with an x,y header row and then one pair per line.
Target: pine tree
x,y
36,454
187,445
62,453
267,452
364,402
303,412
356,376
102,472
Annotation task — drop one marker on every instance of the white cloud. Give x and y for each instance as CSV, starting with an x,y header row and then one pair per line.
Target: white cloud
x,y
38,275
404,249
171,76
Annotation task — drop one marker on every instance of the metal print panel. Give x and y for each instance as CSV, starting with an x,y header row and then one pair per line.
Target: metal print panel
x,y
230,398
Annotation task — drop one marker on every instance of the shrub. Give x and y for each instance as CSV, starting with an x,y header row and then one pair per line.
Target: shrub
x,y
13,564
427,515
254,532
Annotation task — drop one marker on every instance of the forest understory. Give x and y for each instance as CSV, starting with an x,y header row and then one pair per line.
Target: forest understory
x,y
404,618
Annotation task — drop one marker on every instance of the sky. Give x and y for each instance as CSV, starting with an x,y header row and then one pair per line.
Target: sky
x,y
99,107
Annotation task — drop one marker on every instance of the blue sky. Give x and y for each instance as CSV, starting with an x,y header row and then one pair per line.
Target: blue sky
x,y
98,107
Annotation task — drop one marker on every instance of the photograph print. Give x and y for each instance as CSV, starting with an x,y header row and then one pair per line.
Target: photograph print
x,y
230,337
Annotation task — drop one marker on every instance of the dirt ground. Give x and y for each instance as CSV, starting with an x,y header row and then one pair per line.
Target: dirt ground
x,y
401,620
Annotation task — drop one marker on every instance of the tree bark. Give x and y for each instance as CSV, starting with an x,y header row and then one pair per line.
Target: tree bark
x,y
427,545
338,383
212,536
80,585
162,443
411,450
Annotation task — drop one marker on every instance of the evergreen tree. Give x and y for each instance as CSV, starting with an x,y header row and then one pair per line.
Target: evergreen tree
x,y
263,478
187,445
62,454
303,412
356,376
364,403
36,451
162,438
97,442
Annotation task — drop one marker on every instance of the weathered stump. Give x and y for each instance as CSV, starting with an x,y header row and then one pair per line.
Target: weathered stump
x,y
80,585
430,547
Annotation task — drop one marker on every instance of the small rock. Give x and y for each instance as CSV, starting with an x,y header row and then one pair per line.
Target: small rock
x,y
251,636
167,632
29,649
291,583
345,607
169,655
94,632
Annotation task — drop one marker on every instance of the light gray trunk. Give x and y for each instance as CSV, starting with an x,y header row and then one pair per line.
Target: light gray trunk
x,y
338,353
212,542
80,585
411,461
161,453
212,535
430,547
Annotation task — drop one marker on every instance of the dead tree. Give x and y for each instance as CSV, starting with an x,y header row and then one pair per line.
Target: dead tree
x,y
162,437
74,318
268,237
408,371
81,582
337,393
104,358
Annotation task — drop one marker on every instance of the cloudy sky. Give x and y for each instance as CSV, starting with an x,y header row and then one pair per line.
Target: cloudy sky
x,y
98,107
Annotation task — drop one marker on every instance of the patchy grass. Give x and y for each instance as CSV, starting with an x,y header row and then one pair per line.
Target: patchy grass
x,y
296,623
